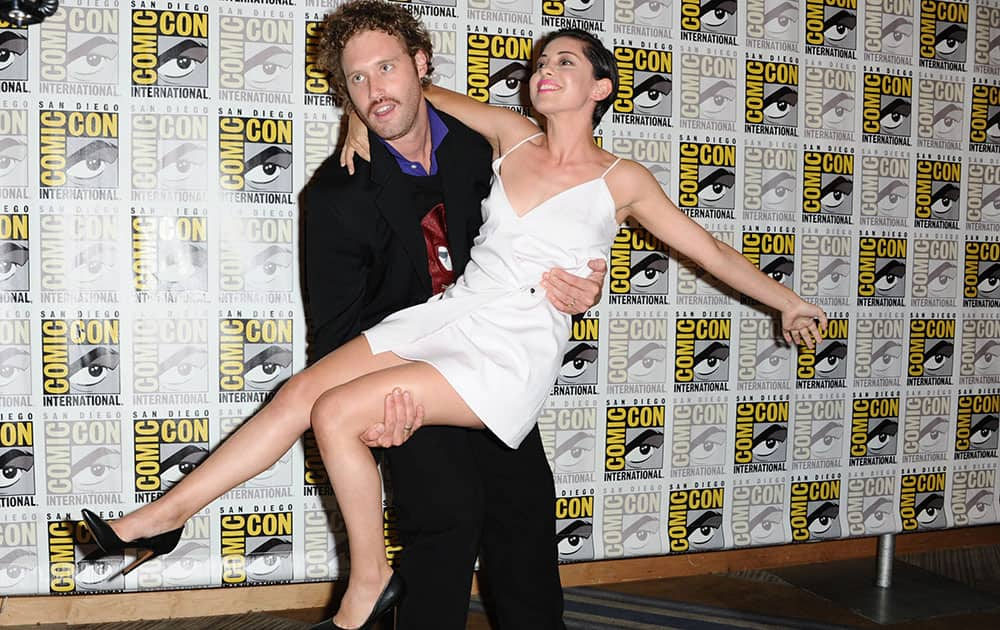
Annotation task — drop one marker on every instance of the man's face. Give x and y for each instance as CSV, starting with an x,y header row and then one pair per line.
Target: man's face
x,y
383,82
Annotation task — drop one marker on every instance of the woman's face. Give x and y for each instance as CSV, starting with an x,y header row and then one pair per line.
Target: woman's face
x,y
563,78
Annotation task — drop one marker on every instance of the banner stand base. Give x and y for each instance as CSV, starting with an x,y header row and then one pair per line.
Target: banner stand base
x,y
914,593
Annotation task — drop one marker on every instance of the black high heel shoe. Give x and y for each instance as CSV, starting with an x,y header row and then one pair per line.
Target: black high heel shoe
x,y
110,543
391,594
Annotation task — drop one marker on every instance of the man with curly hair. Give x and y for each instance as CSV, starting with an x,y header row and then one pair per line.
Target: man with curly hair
x,y
390,236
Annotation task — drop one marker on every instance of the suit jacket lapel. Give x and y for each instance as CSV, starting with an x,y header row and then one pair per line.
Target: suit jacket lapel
x,y
393,201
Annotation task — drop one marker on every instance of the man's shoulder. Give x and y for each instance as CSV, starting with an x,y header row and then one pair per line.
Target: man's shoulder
x,y
462,135
331,174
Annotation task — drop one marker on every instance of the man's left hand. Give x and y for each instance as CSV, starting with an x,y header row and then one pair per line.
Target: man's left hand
x,y
573,294
401,419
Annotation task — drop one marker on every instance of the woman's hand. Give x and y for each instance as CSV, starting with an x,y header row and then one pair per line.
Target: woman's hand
x,y
803,323
356,143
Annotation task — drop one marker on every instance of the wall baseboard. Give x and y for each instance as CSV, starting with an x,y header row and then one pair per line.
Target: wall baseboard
x,y
318,596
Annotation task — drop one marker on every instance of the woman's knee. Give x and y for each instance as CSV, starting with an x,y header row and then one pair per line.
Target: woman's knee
x,y
329,411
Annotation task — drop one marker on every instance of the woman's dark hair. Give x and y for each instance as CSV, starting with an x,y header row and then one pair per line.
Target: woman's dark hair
x,y
602,60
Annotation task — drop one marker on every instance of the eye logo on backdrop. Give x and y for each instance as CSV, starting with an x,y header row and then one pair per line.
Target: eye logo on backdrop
x,y
921,501
984,121
881,270
941,113
575,527
80,52
694,518
828,102
631,523
701,354
80,359
79,256
569,438
819,435
986,51
83,457
15,251
709,21
698,430
935,272
256,548
765,360
758,507
578,374
870,500
637,355
169,257
255,158
255,356
638,268
983,205
770,182
79,158
825,366
973,496
931,351
255,58
814,508
885,188
256,259
166,449
888,32
878,351
981,277
13,58
707,179
830,28
497,67
773,24
14,151
645,85
773,252
15,361
772,95
938,192
633,446
651,149
827,186
980,350
641,18
169,51
17,464
874,430
926,433
887,102
584,14
761,435
944,28
976,426
708,91
444,41
826,267
19,557
170,360
169,155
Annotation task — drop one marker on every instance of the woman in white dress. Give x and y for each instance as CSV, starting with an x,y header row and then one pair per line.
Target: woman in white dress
x,y
558,204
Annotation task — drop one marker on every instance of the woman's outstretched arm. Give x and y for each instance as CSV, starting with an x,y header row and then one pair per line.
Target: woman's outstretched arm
x,y
501,127
647,203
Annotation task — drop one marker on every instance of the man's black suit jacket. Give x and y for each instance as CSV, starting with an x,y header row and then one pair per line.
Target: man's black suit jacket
x,y
365,255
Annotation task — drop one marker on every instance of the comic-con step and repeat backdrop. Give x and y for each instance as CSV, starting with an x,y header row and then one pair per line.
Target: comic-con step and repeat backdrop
x,y
150,155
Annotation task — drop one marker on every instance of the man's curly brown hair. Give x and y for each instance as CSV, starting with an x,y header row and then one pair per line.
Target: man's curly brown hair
x,y
352,18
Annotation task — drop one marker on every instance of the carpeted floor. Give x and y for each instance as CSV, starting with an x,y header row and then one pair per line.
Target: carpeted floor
x,y
751,600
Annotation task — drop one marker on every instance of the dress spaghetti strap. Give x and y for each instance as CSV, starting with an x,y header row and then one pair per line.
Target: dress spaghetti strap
x,y
515,147
608,170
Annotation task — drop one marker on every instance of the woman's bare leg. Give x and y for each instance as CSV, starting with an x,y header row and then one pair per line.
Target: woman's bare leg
x,y
338,419
257,444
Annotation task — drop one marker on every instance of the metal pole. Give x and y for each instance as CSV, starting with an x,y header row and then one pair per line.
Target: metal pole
x,y
883,570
